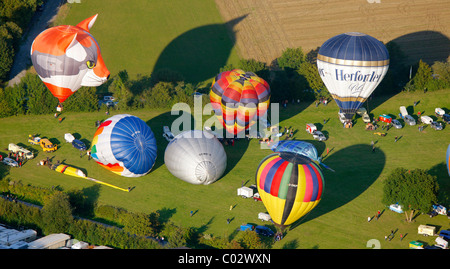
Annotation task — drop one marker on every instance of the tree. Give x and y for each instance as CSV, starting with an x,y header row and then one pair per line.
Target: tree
x,y
413,189
423,77
311,74
291,59
6,57
57,214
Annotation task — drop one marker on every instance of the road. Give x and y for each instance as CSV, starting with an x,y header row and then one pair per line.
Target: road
x,y
38,23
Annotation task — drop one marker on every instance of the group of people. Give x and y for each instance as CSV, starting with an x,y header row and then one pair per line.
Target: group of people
x,y
17,156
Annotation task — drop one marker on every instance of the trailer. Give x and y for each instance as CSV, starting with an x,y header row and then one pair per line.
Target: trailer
x,y
426,230
264,216
245,192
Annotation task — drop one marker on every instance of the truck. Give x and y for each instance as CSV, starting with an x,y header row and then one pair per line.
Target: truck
x,y
45,144
18,149
245,192
426,230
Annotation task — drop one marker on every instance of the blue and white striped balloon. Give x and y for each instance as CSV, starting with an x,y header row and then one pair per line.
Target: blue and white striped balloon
x,y
351,66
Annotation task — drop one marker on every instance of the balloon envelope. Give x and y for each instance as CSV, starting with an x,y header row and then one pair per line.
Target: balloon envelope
x,y
297,146
67,57
351,66
290,185
196,157
125,145
239,98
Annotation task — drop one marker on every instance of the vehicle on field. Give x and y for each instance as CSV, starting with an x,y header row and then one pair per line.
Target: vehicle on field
x,y
439,112
441,243
385,118
445,234
440,209
426,119
264,216
312,129
396,208
436,125
342,117
10,162
446,118
410,120
47,146
397,124
263,230
18,149
363,113
426,230
34,140
167,134
403,112
78,144
69,137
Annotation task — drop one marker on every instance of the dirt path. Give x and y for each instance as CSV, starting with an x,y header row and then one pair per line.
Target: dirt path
x,y
38,23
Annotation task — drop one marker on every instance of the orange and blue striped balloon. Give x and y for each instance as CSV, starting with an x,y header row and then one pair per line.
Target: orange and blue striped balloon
x,y
239,98
290,185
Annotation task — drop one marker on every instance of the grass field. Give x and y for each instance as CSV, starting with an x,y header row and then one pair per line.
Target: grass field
x,y
142,36
351,194
421,28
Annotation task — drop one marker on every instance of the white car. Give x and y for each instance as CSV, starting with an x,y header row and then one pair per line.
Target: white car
x,y
10,162
396,124
426,119
318,135
167,134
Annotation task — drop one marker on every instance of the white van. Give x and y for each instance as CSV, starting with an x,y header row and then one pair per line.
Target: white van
x,y
403,112
426,230
426,119
16,149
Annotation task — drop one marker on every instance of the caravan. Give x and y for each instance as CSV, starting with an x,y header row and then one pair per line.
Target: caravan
x,y
403,112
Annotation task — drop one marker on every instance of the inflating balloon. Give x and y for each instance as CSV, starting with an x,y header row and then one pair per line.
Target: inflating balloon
x,y
67,57
196,157
239,98
125,145
351,66
290,186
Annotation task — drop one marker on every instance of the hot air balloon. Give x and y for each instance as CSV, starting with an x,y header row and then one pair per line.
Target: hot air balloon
x,y
300,147
351,66
67,57
239,98
447,159
290,185
125,145
196,157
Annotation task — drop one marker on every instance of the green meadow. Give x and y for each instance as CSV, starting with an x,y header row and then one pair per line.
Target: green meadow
x,y
352,193
191,38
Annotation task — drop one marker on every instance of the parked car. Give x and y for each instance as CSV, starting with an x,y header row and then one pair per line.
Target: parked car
x,y
397,124
167,134
263,230
426,119
445,234
446,118
78,144
10,162
342,117
318,135
436,125
410,120
364,115
439,112
385,118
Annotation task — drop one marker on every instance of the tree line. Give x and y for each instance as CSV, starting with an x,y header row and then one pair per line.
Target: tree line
x,y
15,16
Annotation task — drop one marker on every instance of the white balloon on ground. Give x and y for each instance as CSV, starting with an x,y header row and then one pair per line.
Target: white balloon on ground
x,y
196,157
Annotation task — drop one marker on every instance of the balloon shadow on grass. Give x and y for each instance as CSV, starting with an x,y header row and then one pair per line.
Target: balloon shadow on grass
x,y
356,169
198,54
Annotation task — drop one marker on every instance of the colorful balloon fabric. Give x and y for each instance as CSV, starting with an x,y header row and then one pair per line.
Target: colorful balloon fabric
x,y
290,185
125,145
297,146
67,57
351,66
239,98
196,157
